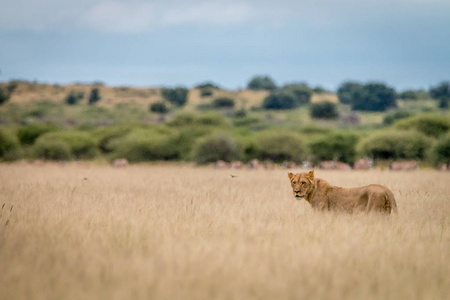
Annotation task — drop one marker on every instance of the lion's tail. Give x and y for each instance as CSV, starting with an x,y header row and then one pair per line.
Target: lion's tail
x,y
390,203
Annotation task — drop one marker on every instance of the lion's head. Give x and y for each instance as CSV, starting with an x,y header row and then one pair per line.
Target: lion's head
x,y
302,183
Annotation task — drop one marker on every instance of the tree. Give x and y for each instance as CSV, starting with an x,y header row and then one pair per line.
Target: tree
x,y
374,97
441,91
94,97
280,99
324,110
346,91
223,102
74,97
4,96
320,90
206,91
159,107
177,96
413,95
207,84
301,91
261,83
207,88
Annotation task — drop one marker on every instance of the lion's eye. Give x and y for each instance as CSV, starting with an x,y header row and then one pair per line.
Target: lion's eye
x,y
293,182
303,183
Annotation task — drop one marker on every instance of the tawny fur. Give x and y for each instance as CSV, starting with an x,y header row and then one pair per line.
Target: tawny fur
x,y
324,196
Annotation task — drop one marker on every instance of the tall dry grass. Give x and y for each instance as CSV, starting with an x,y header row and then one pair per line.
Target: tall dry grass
x,y
177,232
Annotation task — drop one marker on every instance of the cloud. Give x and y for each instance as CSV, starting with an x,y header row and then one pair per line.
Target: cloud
x,y
39,15
133,16
209,13
120,17
114,16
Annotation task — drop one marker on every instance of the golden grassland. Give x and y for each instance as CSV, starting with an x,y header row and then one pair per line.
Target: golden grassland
x,y
180,232
28,92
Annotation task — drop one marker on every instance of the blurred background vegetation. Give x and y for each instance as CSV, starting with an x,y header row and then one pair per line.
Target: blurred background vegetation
x,y
294,122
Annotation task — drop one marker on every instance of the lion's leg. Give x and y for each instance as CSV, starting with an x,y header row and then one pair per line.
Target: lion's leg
x,y
392,202
377,202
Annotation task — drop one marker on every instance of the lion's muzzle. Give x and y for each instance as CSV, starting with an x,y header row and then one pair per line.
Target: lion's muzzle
x,y
298,195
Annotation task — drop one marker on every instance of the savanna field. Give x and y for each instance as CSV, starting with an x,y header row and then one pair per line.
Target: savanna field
x,y
154,231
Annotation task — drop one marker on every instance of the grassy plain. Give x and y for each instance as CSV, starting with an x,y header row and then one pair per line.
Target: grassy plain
x,y
83,231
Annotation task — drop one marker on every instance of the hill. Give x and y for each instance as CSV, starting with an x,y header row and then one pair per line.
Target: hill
x,y
38,122
26,92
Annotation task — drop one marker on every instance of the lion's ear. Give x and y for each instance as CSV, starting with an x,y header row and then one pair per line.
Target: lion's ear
x,y
290,175
310,174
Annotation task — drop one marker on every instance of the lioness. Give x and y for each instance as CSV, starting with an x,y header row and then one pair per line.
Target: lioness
x,y
324,196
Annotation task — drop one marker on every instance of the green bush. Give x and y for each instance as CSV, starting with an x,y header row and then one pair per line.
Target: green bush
x,y
208,84
347,90
4,96
29,133
444,103
12,86
392,117
280,99
261,83
206,91
334,146
219,146
248,146
74,97
148,144
440,152
253,122
200,119
374,97
51,149
106,135
159,107
441,91
314,130
279,146
320,90
430,125
240,113
81,144
395,145
301,91
96,113
187,137
223,102
9,146
177,96
324,110
46,108
413,95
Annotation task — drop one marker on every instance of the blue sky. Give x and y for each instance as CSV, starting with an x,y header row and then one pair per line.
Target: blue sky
x,y
405,43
